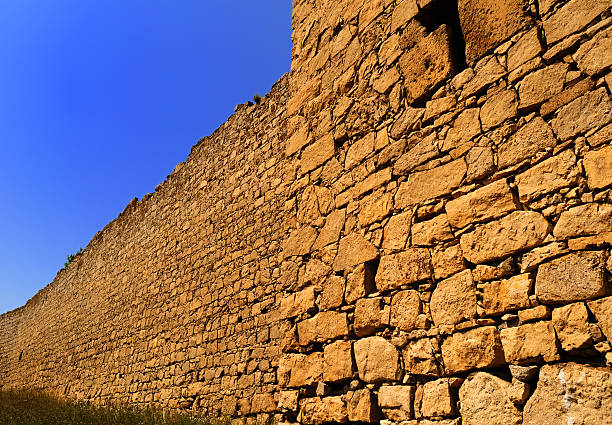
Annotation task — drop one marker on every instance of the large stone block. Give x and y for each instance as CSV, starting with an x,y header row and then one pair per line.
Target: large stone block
x,y
420,358
571,326
404,268
602,309
377,360
362,406
518,231
396,402
438,399
338,361
598,167
369,316
506,295
533,139
478,348
354,250
570,393
306,369
454,300
488,23
555,173
584,220
484,400
427,64
405,310
572,17
574,277
588,112
531,342
315,411
325,325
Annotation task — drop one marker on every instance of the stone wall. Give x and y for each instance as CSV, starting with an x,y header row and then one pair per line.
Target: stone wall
x,y
415,225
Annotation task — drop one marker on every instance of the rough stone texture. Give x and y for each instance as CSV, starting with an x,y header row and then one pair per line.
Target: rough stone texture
x,y
529,343
506,295
405,309
598,167
325,325
487,23
518,231
363,407
338,361
454,300
377,360
584,220
419,358
475,349
369,316
404,268
602,309
498,109
354,250
317,411
572,17
571,326
438,401
396,402
484,401
531,139
588,112
570,393
574,277
431,232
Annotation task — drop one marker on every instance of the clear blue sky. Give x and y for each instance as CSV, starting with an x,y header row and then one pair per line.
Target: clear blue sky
x,y
99,100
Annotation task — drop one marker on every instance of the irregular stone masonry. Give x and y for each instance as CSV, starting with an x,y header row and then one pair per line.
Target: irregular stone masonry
x,y
413,226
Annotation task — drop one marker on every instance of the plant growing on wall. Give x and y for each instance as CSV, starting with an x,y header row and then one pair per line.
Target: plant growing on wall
x,y
70,257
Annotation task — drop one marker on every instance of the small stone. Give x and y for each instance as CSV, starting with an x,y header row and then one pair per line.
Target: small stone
x,y
447,262
359,283
330,233
598,167
481,163
566,96
454,300
404,268
424,150
595,55
532,259
405,309
369,314
354,250
484,400
465,128
317,154
333,293
316,411
338,361
536,313
571,326
288,400
530,342
602,309
362,407
396,402
377,360
299,242
403,12
525,49
477,348
419,358
573,277
506,295
524,373
438,400
397,231
359,150
374,208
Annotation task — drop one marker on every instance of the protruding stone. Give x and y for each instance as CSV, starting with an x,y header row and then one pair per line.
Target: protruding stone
x,y
478,348
316,411
574,277
572,17
431,232
359,283
369,316
333,293
325,325
330,233
419,358
397,231
454,299
602,309
598,167
438,400
543,84
396,402
530,342
404,268
362,406
377,360
405,309
524,373
484,400
571,326
584,220
530,140
446,262
338,361
354,250
549,176
507,295
306,369
586,113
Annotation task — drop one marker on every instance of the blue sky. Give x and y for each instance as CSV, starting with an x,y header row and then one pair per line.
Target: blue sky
x,y
99,100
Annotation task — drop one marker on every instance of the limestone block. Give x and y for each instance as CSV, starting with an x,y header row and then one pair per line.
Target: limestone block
x,y
404,268
419,358
359,283
396,402
369,316
299,303
602,309
532,139
298,140
488,71
438,401
403,12
573,277
377,360
566,96
354,250
506,295
333,293
498,108
588,112
386,81
454,299
570,393
338,361
314,273
306,369
477,348
598,167
325,325
526,48
571,325
288,400
548,176
530,342
584,220
431,232
405,309
374,208
315,411
362,406
491,201
488,23
430,184
538,87
447,262
299,242
330,233
465,128
572,17
317,154
421,152
263,403
518,231
359,150
397,231
595,56
427,64
484,400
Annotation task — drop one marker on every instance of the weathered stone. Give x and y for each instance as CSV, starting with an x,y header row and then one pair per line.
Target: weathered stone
x,y
396,402
427,64
374,208
404,268
506,295
385,81
602,310
595,56
359,150
491,201
530,342
532,259
454,300
362,406
586,113
571,326
316,411
369,316
543,84
573,277
431,232
584,220
298,303
484,400
532,139
263,403
566,96
317,154
325,325
572,17
338,361
430,184
478,348
330,233
419,358
403,12
498,108
570,393
483,34
518,231
397,231
300,242
540,312
438,401
524,373
359,283
288,400
306,369
314,273
480,162
354,250
298,140
488,72
465,128
447,262
377,360
526,48
553,174
598,167
405,309
424,150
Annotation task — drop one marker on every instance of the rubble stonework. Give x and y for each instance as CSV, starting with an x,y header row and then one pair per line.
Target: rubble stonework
x,y
413,226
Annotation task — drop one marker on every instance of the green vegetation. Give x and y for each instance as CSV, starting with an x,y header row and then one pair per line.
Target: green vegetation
x,y
36,408
70,258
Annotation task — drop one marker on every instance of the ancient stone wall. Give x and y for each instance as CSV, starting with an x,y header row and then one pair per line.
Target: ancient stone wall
x,y
415,225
